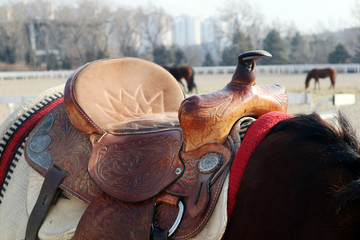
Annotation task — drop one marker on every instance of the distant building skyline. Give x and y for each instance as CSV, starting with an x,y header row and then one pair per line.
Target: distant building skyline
x,y
187,30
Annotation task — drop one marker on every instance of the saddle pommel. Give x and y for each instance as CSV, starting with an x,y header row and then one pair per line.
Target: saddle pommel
x,y
244,72
210,117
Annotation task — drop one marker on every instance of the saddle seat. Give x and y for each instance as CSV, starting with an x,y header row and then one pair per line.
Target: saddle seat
x,y
130,144
103,94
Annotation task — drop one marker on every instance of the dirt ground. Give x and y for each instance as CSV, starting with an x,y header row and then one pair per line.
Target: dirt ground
x,y
346,83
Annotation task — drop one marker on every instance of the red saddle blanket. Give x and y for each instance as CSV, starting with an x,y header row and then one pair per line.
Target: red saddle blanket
x,y
257,131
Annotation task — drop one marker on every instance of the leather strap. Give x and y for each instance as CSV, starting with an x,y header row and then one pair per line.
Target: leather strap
x,y
48,193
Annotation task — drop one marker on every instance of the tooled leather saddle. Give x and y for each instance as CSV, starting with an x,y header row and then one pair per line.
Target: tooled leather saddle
x,y
149,163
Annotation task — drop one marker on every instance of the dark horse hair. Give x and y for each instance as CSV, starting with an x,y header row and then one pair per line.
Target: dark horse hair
x,y
183,72
302,182
317,73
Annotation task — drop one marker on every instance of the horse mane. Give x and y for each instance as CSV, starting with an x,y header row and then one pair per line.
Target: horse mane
x,y
340,149
314,127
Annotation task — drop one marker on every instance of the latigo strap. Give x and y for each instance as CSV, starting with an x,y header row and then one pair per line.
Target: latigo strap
x,y
48,194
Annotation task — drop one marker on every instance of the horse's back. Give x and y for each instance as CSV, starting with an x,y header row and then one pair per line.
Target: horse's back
x,y
322,72
327,72
290,185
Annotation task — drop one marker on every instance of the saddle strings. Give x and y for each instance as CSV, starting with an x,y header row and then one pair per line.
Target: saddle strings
x,y
102,136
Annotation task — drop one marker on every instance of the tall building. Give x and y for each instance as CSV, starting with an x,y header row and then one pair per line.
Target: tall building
x,y
214,30
186,31
167,38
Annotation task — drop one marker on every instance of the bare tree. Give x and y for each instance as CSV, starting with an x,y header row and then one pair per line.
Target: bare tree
x,y
13,39
298,49
250,22
124,28
356,10
41,15
97,26
72,28
83,38
215,37
355,41
320,46
154,24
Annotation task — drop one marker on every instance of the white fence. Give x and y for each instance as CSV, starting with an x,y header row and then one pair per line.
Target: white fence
x,y
263,69
336,100
36,75
281,69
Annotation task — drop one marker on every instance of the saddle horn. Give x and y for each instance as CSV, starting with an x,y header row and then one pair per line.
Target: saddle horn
x,y
209,117
244,72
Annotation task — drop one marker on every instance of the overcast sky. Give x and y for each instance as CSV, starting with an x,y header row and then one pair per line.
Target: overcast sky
x,y
307,15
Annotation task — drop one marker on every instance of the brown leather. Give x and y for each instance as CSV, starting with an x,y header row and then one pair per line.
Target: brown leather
x,y
136,167
111,219
104,93
47,196
195,184
70,150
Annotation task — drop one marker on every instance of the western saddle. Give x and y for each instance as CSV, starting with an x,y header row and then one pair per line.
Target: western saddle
x,y
149,163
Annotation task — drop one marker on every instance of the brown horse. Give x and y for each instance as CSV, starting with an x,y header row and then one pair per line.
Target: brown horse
x,y
183,72
317,73
302,182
